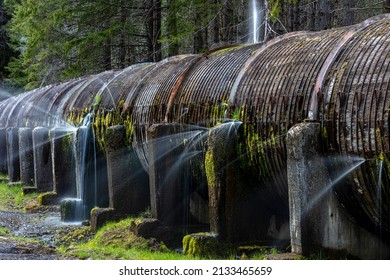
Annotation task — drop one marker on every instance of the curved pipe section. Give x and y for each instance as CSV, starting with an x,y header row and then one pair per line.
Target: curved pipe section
x,y
338,77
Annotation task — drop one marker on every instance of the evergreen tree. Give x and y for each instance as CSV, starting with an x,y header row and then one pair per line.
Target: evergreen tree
x,y
6,53
59,40
55,40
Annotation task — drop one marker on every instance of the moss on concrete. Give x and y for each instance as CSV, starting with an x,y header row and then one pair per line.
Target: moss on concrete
x,y
48,198
210,169
203,244
254,150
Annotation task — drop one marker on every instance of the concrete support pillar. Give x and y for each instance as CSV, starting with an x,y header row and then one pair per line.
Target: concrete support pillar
x,y
127,181
317,220
3,151
26,156
223,182
43,175
63,162
166,171
306,176
13,163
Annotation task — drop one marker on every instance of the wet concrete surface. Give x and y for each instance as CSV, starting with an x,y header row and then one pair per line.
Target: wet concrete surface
x,y
32,235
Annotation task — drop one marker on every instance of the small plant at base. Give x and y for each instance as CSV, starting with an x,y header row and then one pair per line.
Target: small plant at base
x,y
4,231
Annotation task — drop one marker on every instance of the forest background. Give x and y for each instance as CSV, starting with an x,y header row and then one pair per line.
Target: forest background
x,y
48,41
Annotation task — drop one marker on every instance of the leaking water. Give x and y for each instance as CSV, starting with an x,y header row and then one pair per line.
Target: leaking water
x,y
86,166
379,203
254,11
379,190
106,87
353,163
175,140
4,94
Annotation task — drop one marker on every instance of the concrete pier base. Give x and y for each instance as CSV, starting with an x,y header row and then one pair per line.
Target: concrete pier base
x,y
101,216
13,162
127,181
234,214
43,175
63,162
3,151
26,156
72,210
166,171
317,220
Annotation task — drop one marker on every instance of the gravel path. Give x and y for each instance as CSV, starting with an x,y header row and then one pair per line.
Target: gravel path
x,y
39,226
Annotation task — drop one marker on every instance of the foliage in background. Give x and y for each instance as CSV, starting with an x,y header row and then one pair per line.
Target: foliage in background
x,y
6,52
12,198
47,41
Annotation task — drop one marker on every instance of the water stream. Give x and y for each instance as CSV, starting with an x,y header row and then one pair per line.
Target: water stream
x,y
352,165
254,26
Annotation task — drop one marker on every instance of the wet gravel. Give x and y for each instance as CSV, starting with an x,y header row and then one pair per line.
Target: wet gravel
x,y
41,227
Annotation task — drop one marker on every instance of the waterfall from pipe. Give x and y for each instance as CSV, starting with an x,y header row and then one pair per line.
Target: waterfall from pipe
x,y
255,21
86,166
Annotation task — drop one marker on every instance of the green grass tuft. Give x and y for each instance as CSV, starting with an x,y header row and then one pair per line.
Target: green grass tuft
x,y
12,198
4,231
115,241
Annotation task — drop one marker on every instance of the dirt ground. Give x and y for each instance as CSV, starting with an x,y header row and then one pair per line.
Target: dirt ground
x,y
31,235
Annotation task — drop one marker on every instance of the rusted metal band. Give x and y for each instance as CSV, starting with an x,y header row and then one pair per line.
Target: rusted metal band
x,y
314,101
254,56
181,78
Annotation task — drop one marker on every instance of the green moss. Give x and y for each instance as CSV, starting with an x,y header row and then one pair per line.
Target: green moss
x,y
98,100
103,120
210,169
129,127
116,241
4,231
217,112
237,114
68,209
48,198
201,244
253,151
324,134
67,236
12,198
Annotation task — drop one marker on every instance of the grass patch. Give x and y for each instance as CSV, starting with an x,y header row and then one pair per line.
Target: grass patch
x,y
12,198
4,231
66,236
115,241
96,252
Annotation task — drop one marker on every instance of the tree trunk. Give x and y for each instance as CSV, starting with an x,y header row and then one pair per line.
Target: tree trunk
x,y
154,30
263,22
199,41
107,50
349,13
323,15
157,31
122,41
215,27
228,21
311,15
296,15
173,47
